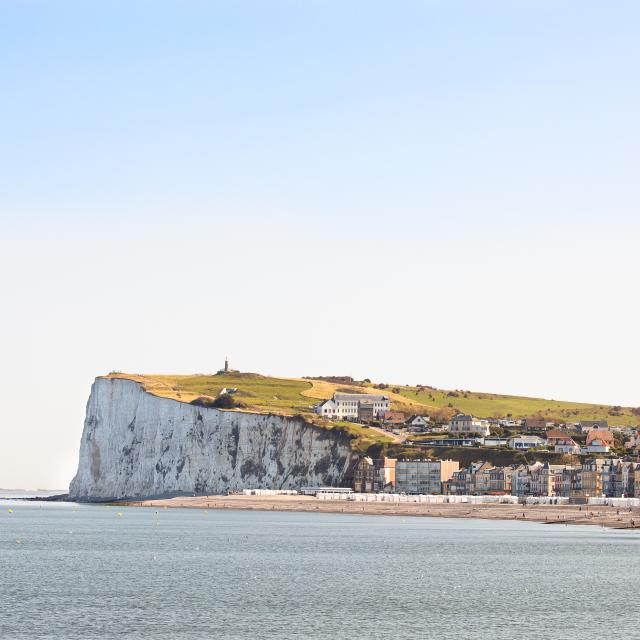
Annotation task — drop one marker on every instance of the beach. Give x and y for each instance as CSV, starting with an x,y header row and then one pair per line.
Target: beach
x,y
549,514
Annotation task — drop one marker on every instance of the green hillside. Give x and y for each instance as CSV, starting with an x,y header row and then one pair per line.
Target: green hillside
x,y
256,393
491,405
291,396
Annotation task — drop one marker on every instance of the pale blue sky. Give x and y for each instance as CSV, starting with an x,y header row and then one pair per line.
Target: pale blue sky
x,y
437,192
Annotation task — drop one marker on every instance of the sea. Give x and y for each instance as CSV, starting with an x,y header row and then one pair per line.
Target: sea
x,y
72,571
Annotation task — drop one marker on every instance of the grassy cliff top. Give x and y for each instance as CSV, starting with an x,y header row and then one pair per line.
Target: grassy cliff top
x,y
493,405
290,396
260,394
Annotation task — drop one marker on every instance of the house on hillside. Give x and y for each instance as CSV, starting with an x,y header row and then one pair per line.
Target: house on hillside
x,y
595,436
354,406
417,423
394,418
523,443
495,441
462,424
460,441
556,436
535,424
566,445
510,423
588,425
633,445
598,442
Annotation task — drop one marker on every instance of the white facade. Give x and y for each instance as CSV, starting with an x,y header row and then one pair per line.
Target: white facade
x,y
418,423
345,406
462,424
495,442
526,442
567,448
595,448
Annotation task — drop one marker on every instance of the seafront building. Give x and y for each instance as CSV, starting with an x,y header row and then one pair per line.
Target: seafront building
x,y
374,476
424,476
594,478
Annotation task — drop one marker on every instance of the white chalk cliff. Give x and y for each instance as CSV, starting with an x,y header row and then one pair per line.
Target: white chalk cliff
x,y
135,444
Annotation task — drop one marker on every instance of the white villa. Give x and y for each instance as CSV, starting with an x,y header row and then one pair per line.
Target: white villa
x,y
417,423
526,442
348,406
462,424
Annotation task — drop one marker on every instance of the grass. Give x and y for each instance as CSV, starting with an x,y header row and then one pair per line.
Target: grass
x,y
293,396
258,394
490,405
364,437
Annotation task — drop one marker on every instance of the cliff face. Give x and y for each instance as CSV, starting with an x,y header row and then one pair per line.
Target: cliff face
x,y
135,444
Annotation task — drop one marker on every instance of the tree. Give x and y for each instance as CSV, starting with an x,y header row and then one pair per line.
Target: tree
x,y
375,450
224,401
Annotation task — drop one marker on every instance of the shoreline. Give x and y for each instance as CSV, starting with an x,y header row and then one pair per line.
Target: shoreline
x,y
610,517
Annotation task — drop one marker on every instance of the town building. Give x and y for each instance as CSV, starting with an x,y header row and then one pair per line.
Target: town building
x,y
354,406
394,418
556,435
460,482
591,478
500,481
374,475
588,425
595,448
568,446
600,438
452,442
636,481
521,479
424,476
526,442
495,441
633,445
417,424
462,424
594,478
535,424
482,479
546,480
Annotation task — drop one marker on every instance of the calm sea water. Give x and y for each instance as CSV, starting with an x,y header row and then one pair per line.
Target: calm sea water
x,y
79,571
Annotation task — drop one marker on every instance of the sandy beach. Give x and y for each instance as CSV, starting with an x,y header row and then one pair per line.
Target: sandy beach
x,y
549,514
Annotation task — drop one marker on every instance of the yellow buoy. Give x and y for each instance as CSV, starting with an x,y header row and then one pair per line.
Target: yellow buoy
x,y
119,514
10,510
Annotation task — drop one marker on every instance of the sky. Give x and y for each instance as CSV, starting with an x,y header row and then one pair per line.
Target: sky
x,y
432,192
